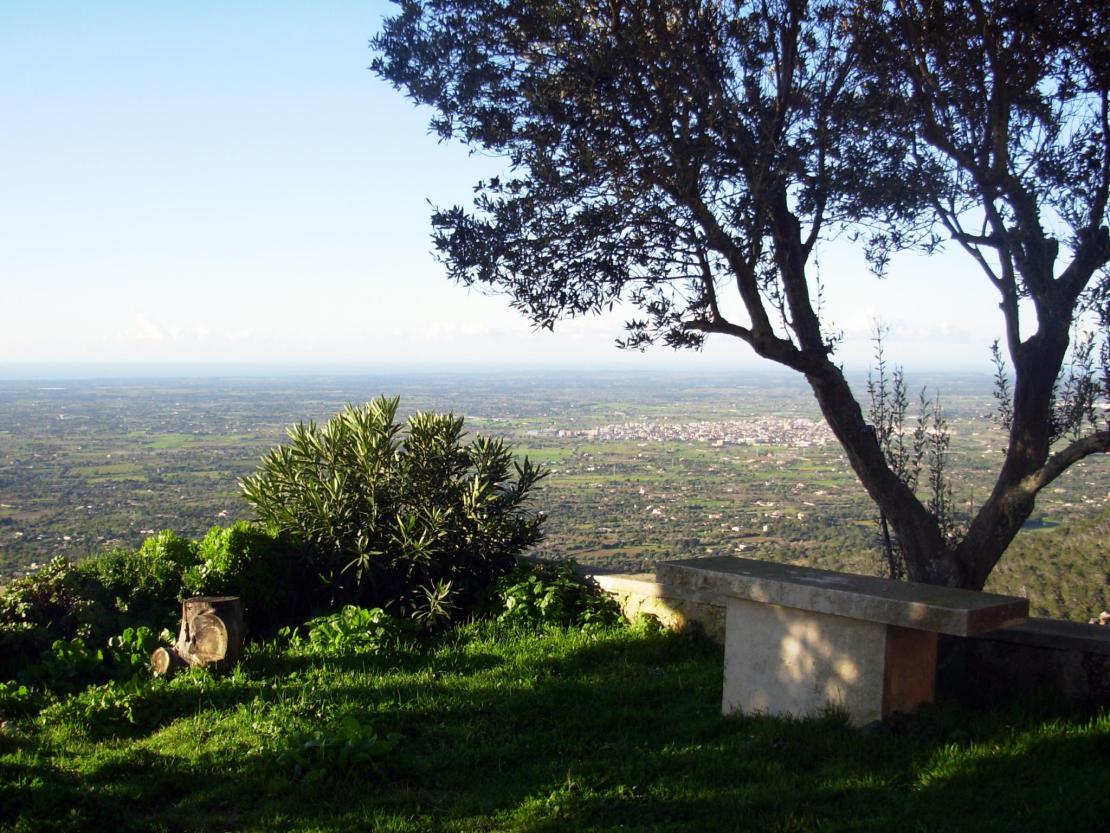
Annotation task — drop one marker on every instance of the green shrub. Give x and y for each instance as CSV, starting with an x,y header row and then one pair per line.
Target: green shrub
x,y
245,560
58,602
67,666
351,629
548,593
145,585
119,598
17,699
129,652
93,599
71,625
407,518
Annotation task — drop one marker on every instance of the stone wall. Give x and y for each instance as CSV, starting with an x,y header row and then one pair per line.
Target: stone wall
x,y
1041,658
640,593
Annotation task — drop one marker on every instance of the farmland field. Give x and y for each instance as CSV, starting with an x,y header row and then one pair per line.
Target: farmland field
x,y
643,466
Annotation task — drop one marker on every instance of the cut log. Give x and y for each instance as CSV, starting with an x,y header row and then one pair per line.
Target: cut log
x,y
211,633
164,661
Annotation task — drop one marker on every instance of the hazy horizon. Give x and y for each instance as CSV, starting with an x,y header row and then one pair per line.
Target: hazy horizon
x,y
34,371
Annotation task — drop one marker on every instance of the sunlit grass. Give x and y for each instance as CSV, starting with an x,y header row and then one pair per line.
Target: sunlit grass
x,y
497,729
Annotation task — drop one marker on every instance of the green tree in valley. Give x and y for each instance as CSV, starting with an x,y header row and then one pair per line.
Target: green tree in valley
x,y
689,158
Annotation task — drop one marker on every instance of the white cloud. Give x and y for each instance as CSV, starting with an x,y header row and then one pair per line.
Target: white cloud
x,y
145,330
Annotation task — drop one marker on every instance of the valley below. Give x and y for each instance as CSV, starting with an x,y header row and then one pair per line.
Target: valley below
x,y
643,467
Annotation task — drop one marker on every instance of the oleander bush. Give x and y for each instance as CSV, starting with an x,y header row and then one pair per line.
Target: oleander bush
x,y
386,528
408,517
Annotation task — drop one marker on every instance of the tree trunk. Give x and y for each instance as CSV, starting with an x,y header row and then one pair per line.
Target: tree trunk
x,y
927,557
211,633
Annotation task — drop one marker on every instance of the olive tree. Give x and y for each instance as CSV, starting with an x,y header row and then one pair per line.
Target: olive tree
x,y
689,159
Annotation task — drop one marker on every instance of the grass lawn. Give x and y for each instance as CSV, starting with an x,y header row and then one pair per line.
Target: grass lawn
x,y
495,729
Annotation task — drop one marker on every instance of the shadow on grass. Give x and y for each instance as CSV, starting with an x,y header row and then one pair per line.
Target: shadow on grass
x,y
39,794
622,732
266,679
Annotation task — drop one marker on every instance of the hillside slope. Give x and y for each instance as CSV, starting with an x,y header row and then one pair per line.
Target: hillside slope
x,y
1065,571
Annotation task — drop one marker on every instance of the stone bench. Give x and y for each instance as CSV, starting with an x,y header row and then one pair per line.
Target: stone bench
x,y
799,640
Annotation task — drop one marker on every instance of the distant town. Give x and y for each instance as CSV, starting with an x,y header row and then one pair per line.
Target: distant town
x,y
787,433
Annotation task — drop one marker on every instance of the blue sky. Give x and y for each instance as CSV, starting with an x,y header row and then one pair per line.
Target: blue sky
x,y
227,182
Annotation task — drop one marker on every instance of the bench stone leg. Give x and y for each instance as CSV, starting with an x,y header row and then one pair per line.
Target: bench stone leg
x,y
781,660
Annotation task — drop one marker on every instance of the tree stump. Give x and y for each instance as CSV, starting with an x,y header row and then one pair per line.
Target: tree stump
x,y
211,633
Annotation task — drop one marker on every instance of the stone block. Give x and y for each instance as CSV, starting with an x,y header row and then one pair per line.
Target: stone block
x,y
785,661
1042,658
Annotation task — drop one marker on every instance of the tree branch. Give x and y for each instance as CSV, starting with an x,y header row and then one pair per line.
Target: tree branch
x,y
790,254
970,243
705,325
1102,192
1058,463
710,285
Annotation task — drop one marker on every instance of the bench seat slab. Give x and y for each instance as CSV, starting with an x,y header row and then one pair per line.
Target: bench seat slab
x,y
781,660
903,603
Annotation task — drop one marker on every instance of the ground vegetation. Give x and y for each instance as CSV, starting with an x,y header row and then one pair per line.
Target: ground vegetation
x,y
495,726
